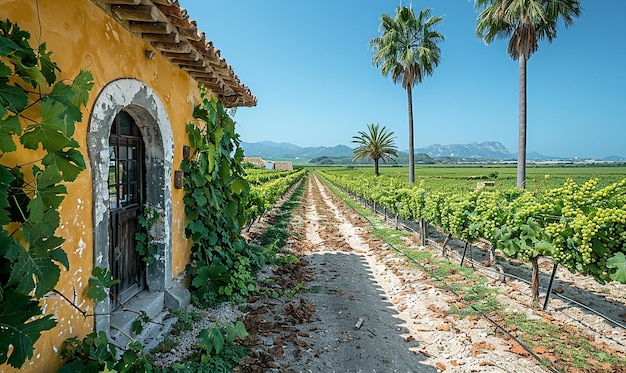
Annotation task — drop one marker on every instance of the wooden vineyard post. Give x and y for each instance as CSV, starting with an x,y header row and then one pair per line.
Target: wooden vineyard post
x,y
423,232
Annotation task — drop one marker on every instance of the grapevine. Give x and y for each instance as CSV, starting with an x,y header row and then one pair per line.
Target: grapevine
x,y
582,227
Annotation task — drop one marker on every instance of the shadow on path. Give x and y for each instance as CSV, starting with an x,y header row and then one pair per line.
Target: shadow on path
x,y
344,291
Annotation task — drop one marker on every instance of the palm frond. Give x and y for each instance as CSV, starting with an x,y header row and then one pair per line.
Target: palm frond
x,y
377,143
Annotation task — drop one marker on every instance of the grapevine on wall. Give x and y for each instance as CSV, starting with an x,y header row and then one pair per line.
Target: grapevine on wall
x,y
216,195
38,114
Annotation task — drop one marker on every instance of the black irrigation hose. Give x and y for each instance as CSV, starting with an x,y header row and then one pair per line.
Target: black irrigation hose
x,y
563,297
549,366
566,299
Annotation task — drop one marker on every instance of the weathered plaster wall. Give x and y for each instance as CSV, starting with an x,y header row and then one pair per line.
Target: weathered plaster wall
x,y
82,36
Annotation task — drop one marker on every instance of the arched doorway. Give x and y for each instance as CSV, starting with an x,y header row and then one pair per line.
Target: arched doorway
x,y
127,191
142,105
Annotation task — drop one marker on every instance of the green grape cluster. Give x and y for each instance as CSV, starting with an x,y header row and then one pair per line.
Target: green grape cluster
x,y
581,227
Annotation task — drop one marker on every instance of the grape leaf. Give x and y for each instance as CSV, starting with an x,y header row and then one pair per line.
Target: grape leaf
x,y
81,87
240,185
47,66
18,37
99,283
51,242
48,194
17,331
7,45
5,182
26,67
50,132
9,126
34,269
63,94
34,230
5,71
70,163
12,97
618,263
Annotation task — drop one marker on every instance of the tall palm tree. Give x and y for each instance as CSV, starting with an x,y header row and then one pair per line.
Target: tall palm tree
x,y
375,144
526,22
407,50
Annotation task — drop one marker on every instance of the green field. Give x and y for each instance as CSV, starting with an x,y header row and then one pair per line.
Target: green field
x,y
504,177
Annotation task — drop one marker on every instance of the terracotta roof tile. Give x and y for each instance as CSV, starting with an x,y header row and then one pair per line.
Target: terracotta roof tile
x,y
166,26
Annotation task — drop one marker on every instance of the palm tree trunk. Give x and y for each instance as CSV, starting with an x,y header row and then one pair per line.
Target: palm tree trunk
x,y
409,93
521,140
376,167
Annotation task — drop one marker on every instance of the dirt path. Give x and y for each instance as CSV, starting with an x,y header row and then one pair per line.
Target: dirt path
x,y
364,309
353,305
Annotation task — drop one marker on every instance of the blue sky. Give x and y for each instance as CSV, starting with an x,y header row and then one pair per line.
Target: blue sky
x,y
309,65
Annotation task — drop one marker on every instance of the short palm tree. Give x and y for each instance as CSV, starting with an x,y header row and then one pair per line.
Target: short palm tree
x,y
525,22
407,50
375,144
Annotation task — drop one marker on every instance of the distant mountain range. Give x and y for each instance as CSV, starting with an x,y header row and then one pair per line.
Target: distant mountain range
x,y
485,150
271,150
489,150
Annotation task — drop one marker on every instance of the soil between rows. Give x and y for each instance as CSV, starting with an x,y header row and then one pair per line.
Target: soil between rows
x,y
351,276
363,308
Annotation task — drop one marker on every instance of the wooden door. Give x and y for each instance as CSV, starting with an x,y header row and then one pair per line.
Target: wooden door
x,y
126,199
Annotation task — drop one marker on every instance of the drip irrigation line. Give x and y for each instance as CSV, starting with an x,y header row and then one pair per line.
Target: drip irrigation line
x,y
498,326
563,297
566,299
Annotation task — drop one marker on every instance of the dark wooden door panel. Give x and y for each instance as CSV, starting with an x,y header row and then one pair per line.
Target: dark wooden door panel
x,y
126,199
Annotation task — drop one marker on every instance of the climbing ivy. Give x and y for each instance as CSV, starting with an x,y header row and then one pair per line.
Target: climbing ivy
x,y
215,198
144,245
40,113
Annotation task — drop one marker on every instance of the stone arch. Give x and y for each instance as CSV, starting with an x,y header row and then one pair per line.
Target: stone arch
x,y
143,104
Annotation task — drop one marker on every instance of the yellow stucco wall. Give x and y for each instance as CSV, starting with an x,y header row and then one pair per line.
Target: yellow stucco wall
x,y
82,36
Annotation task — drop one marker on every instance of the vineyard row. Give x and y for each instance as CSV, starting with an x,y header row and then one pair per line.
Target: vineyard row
x,y
264,195
582,227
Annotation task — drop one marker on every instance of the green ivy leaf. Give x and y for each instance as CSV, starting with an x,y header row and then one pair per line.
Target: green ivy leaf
x,y
198,195
212,238
231,209
240,329
70,163
211,158
197,228
137,326
20,327
98,285
224,171
618,263
206,341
